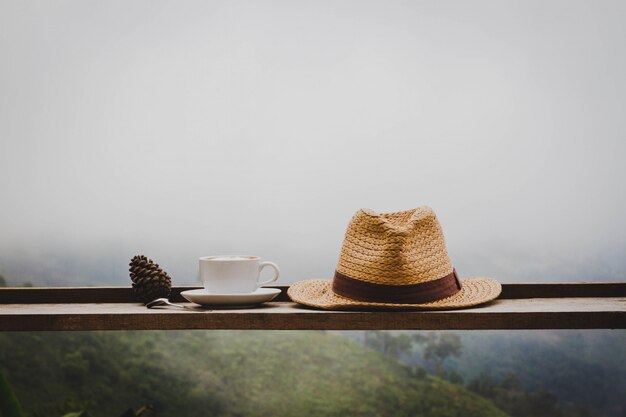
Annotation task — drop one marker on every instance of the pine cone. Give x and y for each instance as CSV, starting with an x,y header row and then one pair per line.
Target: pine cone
x,y
149,280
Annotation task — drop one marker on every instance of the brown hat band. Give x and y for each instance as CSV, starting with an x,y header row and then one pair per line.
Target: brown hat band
x,y
423,292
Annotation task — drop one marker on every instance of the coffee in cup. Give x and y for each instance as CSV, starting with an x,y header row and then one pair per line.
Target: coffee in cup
x,y
233,274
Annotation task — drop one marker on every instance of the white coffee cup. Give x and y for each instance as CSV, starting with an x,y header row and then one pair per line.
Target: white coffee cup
x,y
233,274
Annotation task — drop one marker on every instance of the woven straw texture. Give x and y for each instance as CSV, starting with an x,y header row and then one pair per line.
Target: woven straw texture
x,y
318,293
400,248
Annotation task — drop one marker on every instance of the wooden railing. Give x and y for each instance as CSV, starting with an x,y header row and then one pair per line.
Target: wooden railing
x,y
521,306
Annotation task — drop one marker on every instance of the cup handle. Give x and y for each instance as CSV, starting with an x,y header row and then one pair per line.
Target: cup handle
x,y
276,272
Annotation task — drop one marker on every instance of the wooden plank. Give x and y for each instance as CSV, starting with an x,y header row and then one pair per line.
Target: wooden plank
x,y
44,295
121,294
564,289
534,313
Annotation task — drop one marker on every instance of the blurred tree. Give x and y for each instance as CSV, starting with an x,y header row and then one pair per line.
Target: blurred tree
x,y
438,347
509,395
3,281
9,405
388,344
484,385
75,367
511,382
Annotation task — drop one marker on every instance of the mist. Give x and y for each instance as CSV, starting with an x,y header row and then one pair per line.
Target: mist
x,y
183,129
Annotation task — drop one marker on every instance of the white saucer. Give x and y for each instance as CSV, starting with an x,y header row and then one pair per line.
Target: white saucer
x,y
202,297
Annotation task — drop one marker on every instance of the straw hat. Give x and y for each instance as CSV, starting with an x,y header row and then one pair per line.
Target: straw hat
x,y
394,260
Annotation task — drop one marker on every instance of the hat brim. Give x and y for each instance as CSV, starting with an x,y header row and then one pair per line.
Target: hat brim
x,y
318,293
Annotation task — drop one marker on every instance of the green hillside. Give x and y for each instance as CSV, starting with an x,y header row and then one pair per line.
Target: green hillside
x,y
583,368
561,372
222,373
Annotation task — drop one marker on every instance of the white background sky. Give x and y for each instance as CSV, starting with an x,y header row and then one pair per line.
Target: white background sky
x,y
186,128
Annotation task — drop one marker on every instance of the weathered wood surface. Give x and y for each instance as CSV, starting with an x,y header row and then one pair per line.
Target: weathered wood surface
x,y
110,309
49,295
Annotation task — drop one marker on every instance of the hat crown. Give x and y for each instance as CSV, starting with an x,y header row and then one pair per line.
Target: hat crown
x,y
399,248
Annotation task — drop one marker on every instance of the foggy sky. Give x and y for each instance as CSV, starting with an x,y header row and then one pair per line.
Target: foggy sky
x,y
187,128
